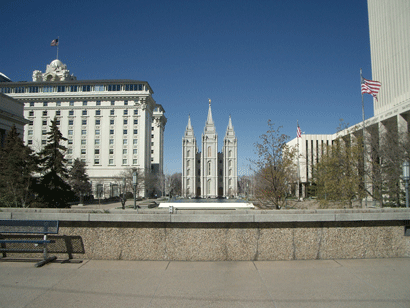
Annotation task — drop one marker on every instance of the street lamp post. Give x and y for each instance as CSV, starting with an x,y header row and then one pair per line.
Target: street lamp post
x,y
134,183
406,178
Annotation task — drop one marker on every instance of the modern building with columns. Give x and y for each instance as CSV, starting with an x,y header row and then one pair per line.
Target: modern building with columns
x,y
389,26
209,174
111,125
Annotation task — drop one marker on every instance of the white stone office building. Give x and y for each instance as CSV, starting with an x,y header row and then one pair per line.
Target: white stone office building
x,y
111,125
389,26
209,174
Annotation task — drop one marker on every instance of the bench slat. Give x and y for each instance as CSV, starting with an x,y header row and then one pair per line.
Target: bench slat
x,y
27,241
29,226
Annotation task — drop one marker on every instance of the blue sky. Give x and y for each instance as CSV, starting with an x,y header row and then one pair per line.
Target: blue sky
x,y
257,60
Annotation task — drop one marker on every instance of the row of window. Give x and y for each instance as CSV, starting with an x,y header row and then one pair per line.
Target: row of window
x,y
74,88
97,132
72,103
84,122
97,151
110,161
83,112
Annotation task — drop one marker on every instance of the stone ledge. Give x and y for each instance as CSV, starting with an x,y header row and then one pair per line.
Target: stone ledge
x,y
255,216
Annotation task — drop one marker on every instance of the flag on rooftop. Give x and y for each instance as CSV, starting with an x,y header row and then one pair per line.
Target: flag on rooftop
x,y
54,42
371,87
298,132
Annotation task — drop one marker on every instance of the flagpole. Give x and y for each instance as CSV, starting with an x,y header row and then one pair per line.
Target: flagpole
x,y
58,43
298,173
364,143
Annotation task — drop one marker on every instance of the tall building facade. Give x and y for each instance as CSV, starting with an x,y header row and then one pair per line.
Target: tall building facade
x,y
209,173
111,125
389,29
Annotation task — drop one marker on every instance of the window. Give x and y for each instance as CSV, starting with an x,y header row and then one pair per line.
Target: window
x,y
152,136
31,104
43,141
133,87
96,151
125,112
98,112
135,111
135,151
83,151
97,122
44,113
124,151
125,131
47,89
86,88
45,122
96,161
83,122
45,104
135,141
58,104
71,112
70,132
152,151
98,103
83,132
112,103
124,141
111,141
134,161
114,87
70,122
73,88
209,168
125,121
70,141
111,151
61,89
99,88
57,122
58,113
84,112
70,161
152,128
30,123
112,112
124,161
97,131
125,103
96,141
111,161
135,121
209,152
71,103
30,142
30,132
31,114
135,131
69,151
111,132
85,103
83,141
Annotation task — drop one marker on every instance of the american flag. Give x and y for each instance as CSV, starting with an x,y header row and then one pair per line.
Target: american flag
x,y
298,132
371,87
54,42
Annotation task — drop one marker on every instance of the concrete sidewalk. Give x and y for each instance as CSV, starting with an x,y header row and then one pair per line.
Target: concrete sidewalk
x,y
96,283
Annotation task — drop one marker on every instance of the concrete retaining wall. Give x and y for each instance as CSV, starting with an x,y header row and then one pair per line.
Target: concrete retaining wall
x,y
248,235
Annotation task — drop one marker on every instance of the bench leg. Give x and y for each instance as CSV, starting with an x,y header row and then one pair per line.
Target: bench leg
x,y
45,261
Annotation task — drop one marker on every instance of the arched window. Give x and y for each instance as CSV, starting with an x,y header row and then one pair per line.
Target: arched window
x,y
209,168
209,187
230,153
187,182
187,163
188,153
209,151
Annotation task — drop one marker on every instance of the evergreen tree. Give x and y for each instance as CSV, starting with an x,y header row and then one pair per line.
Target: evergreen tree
x,y
79,180
17,166
55,192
